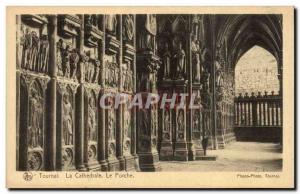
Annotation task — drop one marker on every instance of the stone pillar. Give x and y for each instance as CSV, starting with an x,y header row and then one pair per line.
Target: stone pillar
x,y
180,122
148,65
51,155
134,110
213,78
147,126
166,130
102,125
80,165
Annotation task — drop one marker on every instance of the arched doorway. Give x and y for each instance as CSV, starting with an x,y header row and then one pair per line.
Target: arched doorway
x,y
256,71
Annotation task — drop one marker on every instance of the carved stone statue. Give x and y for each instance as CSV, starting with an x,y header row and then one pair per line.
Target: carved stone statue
x,y
196,60
111,128
111,24
43,54
167,122
92,19
91,123
147,38
196,121
166,62
205,81
127,123
26,43
89,68
180,62
180,124
33,51
74,59
35,108
97,71
59,57
66,49
67,120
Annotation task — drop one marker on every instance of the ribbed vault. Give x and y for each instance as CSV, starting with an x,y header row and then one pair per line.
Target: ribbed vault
x,y
239,33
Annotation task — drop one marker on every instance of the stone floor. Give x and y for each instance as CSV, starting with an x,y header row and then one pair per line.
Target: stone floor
x,y
237,156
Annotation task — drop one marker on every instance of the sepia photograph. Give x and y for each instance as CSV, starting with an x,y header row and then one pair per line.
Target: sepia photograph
x,y
104,98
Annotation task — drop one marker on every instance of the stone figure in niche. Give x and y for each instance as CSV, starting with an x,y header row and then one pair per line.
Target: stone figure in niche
x,y
154,114
67,120
84,60
26,43
92,19
196,121
180,124
59,46
180,62
111,127
148,36
205,80
89,68
43,54
111,24
129,25
127,123
74,59
166,58
218,73
64,52
112,74
196,59
167,122
66,61
34,51
91,121
30,50
97,71
144,122
35,119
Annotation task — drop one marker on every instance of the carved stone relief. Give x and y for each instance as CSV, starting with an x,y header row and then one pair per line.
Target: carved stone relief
x,y
166,135
180,125
111,24
112,71
35,129
67,59
91,120
35,49
67,123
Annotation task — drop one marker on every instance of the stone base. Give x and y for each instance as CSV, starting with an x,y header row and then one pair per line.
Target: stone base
x,y
136,163
129,163
122,163
104,165
209,157
195,151
80,168
149,162
166,151
181,152
93,166
113,164
221,142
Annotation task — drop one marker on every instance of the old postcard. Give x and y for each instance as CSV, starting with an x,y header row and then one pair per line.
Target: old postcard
x,y
150,97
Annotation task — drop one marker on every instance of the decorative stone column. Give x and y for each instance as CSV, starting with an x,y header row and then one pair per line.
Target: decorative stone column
x,y
147,66
91,59
180,122
128,89
32,87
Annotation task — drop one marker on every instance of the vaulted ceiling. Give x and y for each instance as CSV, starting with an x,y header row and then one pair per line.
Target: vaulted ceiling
x,y
239,33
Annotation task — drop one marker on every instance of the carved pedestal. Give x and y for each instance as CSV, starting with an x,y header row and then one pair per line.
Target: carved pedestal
x,y
180,121
165,125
